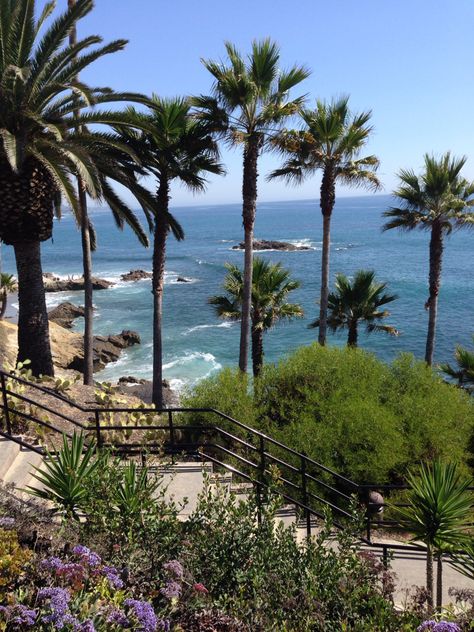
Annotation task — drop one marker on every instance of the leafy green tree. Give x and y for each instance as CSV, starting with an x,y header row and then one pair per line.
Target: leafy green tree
x,y
7,285
44,143
437,513
250,103
356,302
271,284
331,141
438,201
464,371
175,147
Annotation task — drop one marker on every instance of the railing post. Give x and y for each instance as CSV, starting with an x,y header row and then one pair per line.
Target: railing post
x,y
305,495
98,432
172,436
368,517
5,404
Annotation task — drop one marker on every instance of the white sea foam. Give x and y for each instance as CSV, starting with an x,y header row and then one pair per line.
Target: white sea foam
x,y
190,357
226,325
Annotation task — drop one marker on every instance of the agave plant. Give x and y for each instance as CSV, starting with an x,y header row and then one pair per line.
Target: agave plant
x,y
437,512
63,476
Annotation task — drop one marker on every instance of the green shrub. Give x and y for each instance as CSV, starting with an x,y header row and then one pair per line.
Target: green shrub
x,y
348,410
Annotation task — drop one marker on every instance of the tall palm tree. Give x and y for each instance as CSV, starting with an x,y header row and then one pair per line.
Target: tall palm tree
x,y
331,141
356,302
270,289
437,511
43,144
249,104
464,371
436,201
177,147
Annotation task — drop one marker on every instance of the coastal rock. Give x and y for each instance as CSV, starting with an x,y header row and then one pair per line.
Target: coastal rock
x,y
143,391
65,314
136,275
107,349
129,379
8,344
181,279
265,244
72,284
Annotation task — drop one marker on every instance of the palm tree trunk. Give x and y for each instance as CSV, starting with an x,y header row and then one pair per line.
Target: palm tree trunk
x,y
257,349
86,259
249,209
439,582
327,201
33,325
88,290
436,255
429,577
159,259
353,334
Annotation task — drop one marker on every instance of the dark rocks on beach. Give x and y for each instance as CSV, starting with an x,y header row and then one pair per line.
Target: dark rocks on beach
x,y
72,284
65,314
264,244
136,275
129,379
143,390
107,349
181,279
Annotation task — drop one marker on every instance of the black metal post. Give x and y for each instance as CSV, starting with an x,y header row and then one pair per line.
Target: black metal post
x,y
172,437
5,404
98,433
259,504
368,517
305,496
385,556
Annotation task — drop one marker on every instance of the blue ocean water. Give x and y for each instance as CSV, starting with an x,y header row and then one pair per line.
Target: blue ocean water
x,y
197,344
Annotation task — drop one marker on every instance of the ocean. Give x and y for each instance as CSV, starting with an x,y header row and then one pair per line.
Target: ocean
x,y
197,344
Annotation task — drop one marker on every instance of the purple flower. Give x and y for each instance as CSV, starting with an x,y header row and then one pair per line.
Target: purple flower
x,y
144,614
59,599
51,564
175,569
438,626
87,626
19,615
87,556
112,574
7,523
171,590
117,617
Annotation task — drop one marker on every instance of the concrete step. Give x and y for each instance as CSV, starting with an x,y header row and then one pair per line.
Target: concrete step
x,y
8,452
20,471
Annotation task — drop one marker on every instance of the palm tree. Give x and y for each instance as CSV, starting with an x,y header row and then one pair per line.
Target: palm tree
x,y
43,144
177,147
331,141
270,289
249,104
436,512
464,372
436,201
7,285
358,302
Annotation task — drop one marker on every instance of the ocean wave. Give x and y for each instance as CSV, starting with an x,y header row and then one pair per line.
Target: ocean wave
x,y
226,325
190,357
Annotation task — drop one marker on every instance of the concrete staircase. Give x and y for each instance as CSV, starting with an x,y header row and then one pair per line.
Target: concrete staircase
x,y
184,481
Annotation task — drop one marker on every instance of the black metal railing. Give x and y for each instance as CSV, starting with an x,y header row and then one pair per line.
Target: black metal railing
x,y
232,446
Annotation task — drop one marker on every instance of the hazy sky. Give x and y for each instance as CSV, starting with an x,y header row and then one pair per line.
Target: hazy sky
x,y
410,61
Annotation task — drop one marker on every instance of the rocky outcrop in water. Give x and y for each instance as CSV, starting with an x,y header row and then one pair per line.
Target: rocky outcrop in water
x,y
65,314
265,244
73,284
136,275
143,390
181,279
107,349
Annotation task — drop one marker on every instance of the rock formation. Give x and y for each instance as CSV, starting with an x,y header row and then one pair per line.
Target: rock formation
x,y
136,275
65,314
73,284
264,244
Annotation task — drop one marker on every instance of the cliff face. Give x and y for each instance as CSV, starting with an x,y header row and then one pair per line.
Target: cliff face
x,y
8,343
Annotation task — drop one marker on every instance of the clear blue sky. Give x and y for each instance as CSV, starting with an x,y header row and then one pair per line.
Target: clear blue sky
x,y
410,61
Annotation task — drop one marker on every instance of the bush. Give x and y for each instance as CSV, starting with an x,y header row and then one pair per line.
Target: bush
x,y
365,419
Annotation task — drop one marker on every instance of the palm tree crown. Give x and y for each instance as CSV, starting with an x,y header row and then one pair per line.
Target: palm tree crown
x,y
438,201
464,371
270,289
358,302
331,141
250,101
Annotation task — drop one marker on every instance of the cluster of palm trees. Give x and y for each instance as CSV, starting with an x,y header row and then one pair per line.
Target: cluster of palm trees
x,y
62,140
